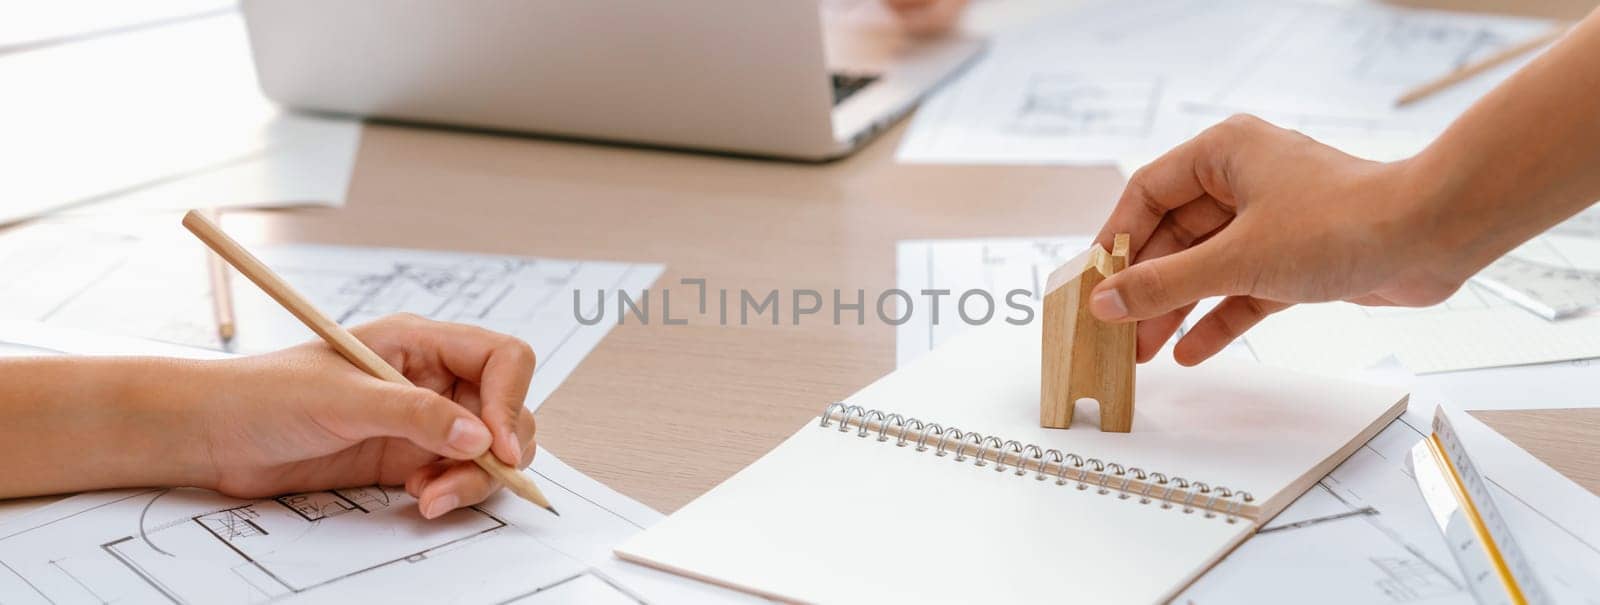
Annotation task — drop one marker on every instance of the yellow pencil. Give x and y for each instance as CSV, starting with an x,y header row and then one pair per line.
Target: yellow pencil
x,y
221,291
1487,63
337,337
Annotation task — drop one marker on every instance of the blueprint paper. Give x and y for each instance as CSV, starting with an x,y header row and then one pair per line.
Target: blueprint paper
x,y
1081,87
1120,83
194,546
151,283
1334,72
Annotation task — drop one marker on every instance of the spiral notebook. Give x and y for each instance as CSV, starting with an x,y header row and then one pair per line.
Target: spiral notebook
x,y
937,484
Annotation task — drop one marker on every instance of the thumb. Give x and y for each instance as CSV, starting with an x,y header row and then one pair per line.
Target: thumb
x,y
423,417
1157,286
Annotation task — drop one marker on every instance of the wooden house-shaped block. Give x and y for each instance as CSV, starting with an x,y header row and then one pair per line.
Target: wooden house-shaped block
x,y
1084,357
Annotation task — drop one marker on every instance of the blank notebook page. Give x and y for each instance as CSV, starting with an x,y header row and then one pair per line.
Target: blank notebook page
x,y
1265,430
830,516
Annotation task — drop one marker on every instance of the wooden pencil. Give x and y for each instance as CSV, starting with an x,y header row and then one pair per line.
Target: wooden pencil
x,y
221,291
1487,63
338,337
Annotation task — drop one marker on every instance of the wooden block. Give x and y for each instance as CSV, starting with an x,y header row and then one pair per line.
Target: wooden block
x,y
1084,357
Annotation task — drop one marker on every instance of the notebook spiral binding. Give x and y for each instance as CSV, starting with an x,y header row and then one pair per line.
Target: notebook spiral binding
x,y
1106,477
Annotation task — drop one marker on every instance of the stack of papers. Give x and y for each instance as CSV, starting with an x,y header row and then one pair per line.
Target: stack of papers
x,y
147,279
155,106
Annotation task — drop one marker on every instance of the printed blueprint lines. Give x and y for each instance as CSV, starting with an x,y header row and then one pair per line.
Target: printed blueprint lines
x,y
291,544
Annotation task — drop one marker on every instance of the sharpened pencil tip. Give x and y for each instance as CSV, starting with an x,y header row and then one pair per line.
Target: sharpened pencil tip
x,y
552,510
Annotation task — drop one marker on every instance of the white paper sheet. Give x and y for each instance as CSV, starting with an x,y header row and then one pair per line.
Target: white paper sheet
x,y
1123,83
930,531
151,283
1473,329
21,338
1333,72
312,167
192,546
1080,87
996,266
106,117
31,25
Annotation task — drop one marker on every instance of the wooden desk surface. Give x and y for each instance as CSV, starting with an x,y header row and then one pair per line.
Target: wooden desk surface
x,y
659,412
663,413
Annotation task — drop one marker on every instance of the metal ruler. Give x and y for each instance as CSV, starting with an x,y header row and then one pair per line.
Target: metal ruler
x,y
1494,567
1548,291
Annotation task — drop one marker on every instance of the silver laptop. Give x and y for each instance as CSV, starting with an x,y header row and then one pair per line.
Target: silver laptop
x,y
742,76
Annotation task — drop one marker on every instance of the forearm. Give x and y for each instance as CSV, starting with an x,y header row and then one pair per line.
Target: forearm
x,y
74,424
1523,158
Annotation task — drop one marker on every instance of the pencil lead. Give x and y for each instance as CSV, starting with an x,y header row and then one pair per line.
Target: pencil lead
x,y
552,510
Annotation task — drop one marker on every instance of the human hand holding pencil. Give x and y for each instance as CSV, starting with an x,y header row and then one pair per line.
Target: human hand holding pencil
x,y
499,465
303,419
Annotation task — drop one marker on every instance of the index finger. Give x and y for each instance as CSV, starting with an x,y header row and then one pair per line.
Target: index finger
x,y
1176,178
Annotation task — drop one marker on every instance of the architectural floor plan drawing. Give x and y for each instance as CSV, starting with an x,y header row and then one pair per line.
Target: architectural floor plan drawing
x,y
151,283
1034,99
284,546
1334,72
1355,60
1097,86
187,546
1069,104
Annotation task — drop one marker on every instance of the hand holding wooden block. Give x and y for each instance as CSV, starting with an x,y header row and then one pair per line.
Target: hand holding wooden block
x,y
1084,357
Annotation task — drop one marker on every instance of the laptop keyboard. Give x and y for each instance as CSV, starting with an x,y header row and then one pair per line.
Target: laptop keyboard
x,y
845,85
